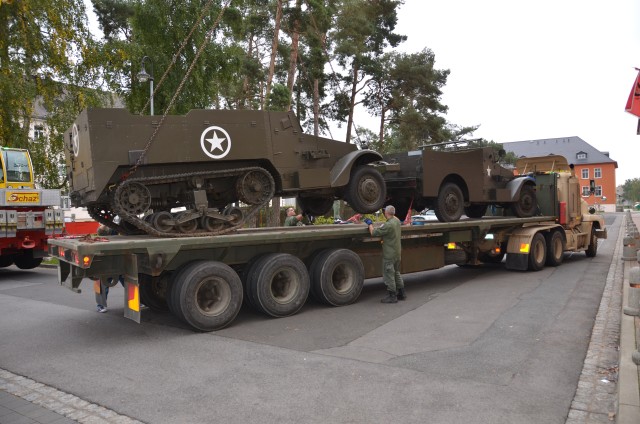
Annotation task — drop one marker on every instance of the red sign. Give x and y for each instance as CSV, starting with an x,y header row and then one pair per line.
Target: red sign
x,y
633,103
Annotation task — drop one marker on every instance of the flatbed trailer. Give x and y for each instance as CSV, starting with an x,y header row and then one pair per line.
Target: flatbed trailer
x,y
204,280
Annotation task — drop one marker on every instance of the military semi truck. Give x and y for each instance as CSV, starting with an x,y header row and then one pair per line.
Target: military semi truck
x,y
27,214
140,168
203,281
456,182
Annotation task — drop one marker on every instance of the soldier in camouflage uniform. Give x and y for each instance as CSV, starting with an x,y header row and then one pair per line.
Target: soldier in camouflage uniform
x,y
391,254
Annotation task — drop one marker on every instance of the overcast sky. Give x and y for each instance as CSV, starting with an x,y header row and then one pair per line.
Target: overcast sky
x,y
526,70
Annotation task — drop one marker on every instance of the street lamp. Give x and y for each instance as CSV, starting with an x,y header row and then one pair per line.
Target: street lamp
x,y
143,76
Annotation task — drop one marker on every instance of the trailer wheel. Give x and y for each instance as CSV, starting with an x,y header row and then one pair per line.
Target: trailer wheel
x,y
526,205
555,248
592,250
210,295
537,252
366,190
278,284
475,210
27,261
153,291
337,277
450,203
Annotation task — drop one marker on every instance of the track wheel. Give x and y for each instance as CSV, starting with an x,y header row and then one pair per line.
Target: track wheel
x,y
162,221
450,203
189,225
255,187
278,284
207,295
234,212
555,248
337,277
366,190
537,252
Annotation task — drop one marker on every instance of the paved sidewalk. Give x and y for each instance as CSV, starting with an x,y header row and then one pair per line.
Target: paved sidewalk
x,y
629,383
24,401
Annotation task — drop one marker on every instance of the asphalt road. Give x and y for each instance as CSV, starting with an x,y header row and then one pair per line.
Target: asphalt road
x,y
473,345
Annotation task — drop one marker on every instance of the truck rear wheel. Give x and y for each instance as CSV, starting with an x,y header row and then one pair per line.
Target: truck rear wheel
x,y
555,248
6,261
526,205
278,284
337,277
366,190
210,295
27,261
537,252
592,250
450,203
153,291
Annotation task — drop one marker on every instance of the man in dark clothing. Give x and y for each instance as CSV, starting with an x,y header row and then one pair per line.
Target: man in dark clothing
x,y
391,253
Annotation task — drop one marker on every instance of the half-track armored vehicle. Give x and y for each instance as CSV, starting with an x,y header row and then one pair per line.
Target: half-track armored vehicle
x,y
140,168
456,182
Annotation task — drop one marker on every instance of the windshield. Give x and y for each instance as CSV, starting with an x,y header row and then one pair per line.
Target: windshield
x,y
17,164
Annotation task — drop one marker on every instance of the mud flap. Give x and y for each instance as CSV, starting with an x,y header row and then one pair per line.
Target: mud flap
x,y
131,289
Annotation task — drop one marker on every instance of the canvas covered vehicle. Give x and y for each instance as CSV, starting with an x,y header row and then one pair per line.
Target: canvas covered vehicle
x,y
456,182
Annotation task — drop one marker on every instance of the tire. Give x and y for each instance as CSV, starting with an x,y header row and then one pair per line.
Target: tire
x,y
555,248
527,203
592,250
250,269
337,277
366,190
154,291
475,211
450,203
27,261
6,261
210,295
278,284
316,206
175,285
537,252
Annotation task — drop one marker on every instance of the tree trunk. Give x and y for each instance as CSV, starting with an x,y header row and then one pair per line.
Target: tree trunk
x,y
293,58
274,51
245,82
352,101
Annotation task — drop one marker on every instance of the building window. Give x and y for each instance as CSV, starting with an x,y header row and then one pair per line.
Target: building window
x,y
581,155
38,132
585,191
585,173
597,172
598,192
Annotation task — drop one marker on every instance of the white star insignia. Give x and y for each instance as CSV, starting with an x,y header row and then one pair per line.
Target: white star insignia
x,y
488,171
216,142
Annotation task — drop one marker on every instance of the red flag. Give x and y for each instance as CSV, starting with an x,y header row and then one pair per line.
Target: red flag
x,y
633,103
